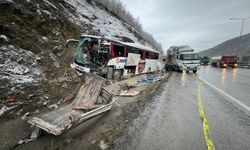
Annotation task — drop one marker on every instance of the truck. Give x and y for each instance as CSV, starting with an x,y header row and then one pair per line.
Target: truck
x,y
244,62
224,61
184,58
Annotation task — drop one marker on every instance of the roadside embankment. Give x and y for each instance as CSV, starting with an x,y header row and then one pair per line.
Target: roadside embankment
x,y
99,132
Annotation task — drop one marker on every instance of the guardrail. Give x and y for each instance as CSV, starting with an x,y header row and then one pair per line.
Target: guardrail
x,y
247,66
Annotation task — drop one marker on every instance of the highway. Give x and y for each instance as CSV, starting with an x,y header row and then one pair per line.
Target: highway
x,y
207,110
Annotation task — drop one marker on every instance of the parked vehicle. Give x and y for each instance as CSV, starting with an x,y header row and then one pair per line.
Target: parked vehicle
x,y
184,58
244,62
205,60
228,60
113,58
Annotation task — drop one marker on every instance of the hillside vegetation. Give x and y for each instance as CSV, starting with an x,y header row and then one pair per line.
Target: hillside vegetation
x,y
238,45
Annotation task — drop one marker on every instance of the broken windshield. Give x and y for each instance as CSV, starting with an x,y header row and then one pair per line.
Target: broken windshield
x,y
81,49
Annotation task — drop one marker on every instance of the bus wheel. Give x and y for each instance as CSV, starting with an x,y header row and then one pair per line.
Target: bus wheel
x,y
194,71
117,74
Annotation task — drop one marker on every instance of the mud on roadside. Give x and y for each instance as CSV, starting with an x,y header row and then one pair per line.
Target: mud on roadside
x,y
112,131
99,132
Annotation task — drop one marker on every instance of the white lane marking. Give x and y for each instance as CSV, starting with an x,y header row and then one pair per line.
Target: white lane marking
x,y
227,95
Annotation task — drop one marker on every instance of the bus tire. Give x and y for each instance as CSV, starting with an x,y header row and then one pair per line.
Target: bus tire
x,y
194,71
117,74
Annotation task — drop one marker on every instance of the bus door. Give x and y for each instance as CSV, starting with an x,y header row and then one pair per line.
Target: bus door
x,y
142,62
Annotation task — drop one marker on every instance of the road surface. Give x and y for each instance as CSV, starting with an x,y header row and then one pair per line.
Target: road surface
x,y
173,120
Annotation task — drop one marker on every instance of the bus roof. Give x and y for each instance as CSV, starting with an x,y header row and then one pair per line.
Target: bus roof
x,y
136,45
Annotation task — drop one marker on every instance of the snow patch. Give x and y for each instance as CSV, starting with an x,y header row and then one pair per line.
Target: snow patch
x,y
3,39
100,19
49,3
44,13
19,65
45,39
55,60
9,1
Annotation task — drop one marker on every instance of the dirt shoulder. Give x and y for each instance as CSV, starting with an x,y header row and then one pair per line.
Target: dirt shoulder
x,y
96,133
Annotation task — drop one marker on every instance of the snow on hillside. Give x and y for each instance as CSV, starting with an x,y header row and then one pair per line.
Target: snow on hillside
x,y
100,19
19,65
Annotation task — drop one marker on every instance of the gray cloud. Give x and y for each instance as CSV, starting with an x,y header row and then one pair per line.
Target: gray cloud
x,y
199,23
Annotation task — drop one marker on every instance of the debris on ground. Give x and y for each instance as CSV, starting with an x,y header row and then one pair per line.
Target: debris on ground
x,y
90,100
11,100
103,145
45,103
3,39
5,109
35,133
53,106
149,79
127,93
127,86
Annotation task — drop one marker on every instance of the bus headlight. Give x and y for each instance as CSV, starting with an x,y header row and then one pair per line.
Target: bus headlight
x,y
224,65
235,65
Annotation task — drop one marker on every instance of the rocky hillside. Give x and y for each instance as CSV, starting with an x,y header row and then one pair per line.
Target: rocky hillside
x,y
239,45
34,64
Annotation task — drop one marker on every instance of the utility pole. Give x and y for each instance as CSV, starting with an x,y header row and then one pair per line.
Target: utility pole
x,y
241,29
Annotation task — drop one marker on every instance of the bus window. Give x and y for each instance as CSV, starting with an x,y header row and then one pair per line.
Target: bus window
x,y
147,55
119,51
151,55
131,50
142,53
156,56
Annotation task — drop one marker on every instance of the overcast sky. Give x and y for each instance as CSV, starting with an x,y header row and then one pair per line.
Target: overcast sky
x,y
199,23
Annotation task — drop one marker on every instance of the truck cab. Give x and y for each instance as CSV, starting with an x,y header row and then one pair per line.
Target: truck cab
x,y
224,61
187,61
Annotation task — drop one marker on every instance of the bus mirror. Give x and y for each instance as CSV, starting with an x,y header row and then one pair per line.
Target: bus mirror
x,y
71,41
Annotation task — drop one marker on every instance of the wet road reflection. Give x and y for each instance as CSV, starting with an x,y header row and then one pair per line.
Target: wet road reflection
x,y
233,81
172,121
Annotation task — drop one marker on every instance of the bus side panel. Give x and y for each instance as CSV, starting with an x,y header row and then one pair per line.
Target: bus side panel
x,y
118,62
133,59
151,65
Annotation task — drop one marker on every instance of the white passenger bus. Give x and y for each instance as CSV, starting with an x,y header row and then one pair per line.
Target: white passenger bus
x,y
114,58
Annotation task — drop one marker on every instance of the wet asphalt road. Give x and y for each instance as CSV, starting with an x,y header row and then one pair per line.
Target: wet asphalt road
x,y
172,120
235,82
